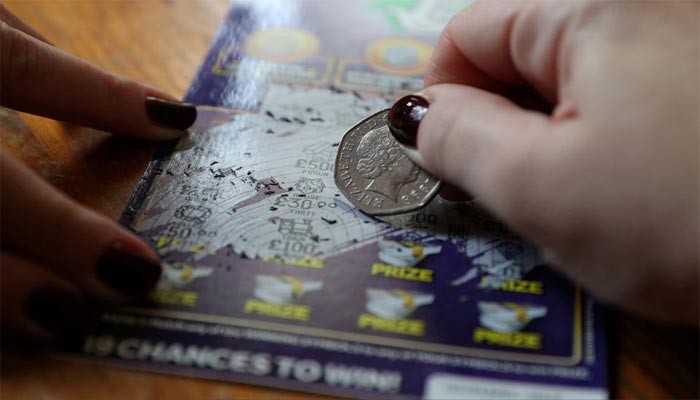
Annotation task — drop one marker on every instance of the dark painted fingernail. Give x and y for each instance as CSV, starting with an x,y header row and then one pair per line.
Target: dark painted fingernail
x,y
405,116
170,114
128,273
62,312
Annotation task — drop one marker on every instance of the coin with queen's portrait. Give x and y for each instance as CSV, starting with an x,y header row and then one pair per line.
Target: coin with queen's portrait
x,y
375,175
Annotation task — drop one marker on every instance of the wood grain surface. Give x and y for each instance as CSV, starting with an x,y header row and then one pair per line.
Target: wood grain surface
x,y
162,42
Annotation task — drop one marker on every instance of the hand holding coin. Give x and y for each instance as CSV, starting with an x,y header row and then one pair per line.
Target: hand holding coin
x,y
374,173
606,184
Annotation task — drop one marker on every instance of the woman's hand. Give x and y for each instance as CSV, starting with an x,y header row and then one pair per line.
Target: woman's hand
x,y
58,256
607,183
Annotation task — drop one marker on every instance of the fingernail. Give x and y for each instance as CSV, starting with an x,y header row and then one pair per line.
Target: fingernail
x,y
170,114
405,116
129,274
62,312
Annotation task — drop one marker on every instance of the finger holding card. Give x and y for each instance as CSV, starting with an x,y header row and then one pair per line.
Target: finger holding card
x,y
41,79
61,260
37,304
56,253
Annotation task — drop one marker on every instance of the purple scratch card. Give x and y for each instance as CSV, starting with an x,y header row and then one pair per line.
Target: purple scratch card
x,y
272,277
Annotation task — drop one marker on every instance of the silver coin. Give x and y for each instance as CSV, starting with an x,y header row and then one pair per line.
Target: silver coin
x,y
373,172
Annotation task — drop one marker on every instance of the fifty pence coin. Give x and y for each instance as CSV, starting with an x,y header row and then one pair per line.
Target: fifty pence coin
x,y
373,172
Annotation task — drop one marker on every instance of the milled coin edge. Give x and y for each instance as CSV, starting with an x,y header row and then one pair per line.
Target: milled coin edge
x,y
338,184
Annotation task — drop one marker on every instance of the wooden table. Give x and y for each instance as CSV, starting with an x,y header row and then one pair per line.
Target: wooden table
x,y
162,42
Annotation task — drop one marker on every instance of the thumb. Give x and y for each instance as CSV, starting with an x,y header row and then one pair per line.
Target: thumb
x,y
489,147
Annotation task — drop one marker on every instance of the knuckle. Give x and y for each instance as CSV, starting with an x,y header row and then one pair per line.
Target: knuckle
x,y
436,138
455,22
510,176
112,86
453,153
522,192
113,89
20,57
76,228
445,137
65,215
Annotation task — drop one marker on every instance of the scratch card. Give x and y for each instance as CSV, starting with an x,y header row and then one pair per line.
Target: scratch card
x,y
272,277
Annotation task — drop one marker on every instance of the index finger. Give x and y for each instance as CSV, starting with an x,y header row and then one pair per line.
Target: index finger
x,y
41,79
493,44
12,20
